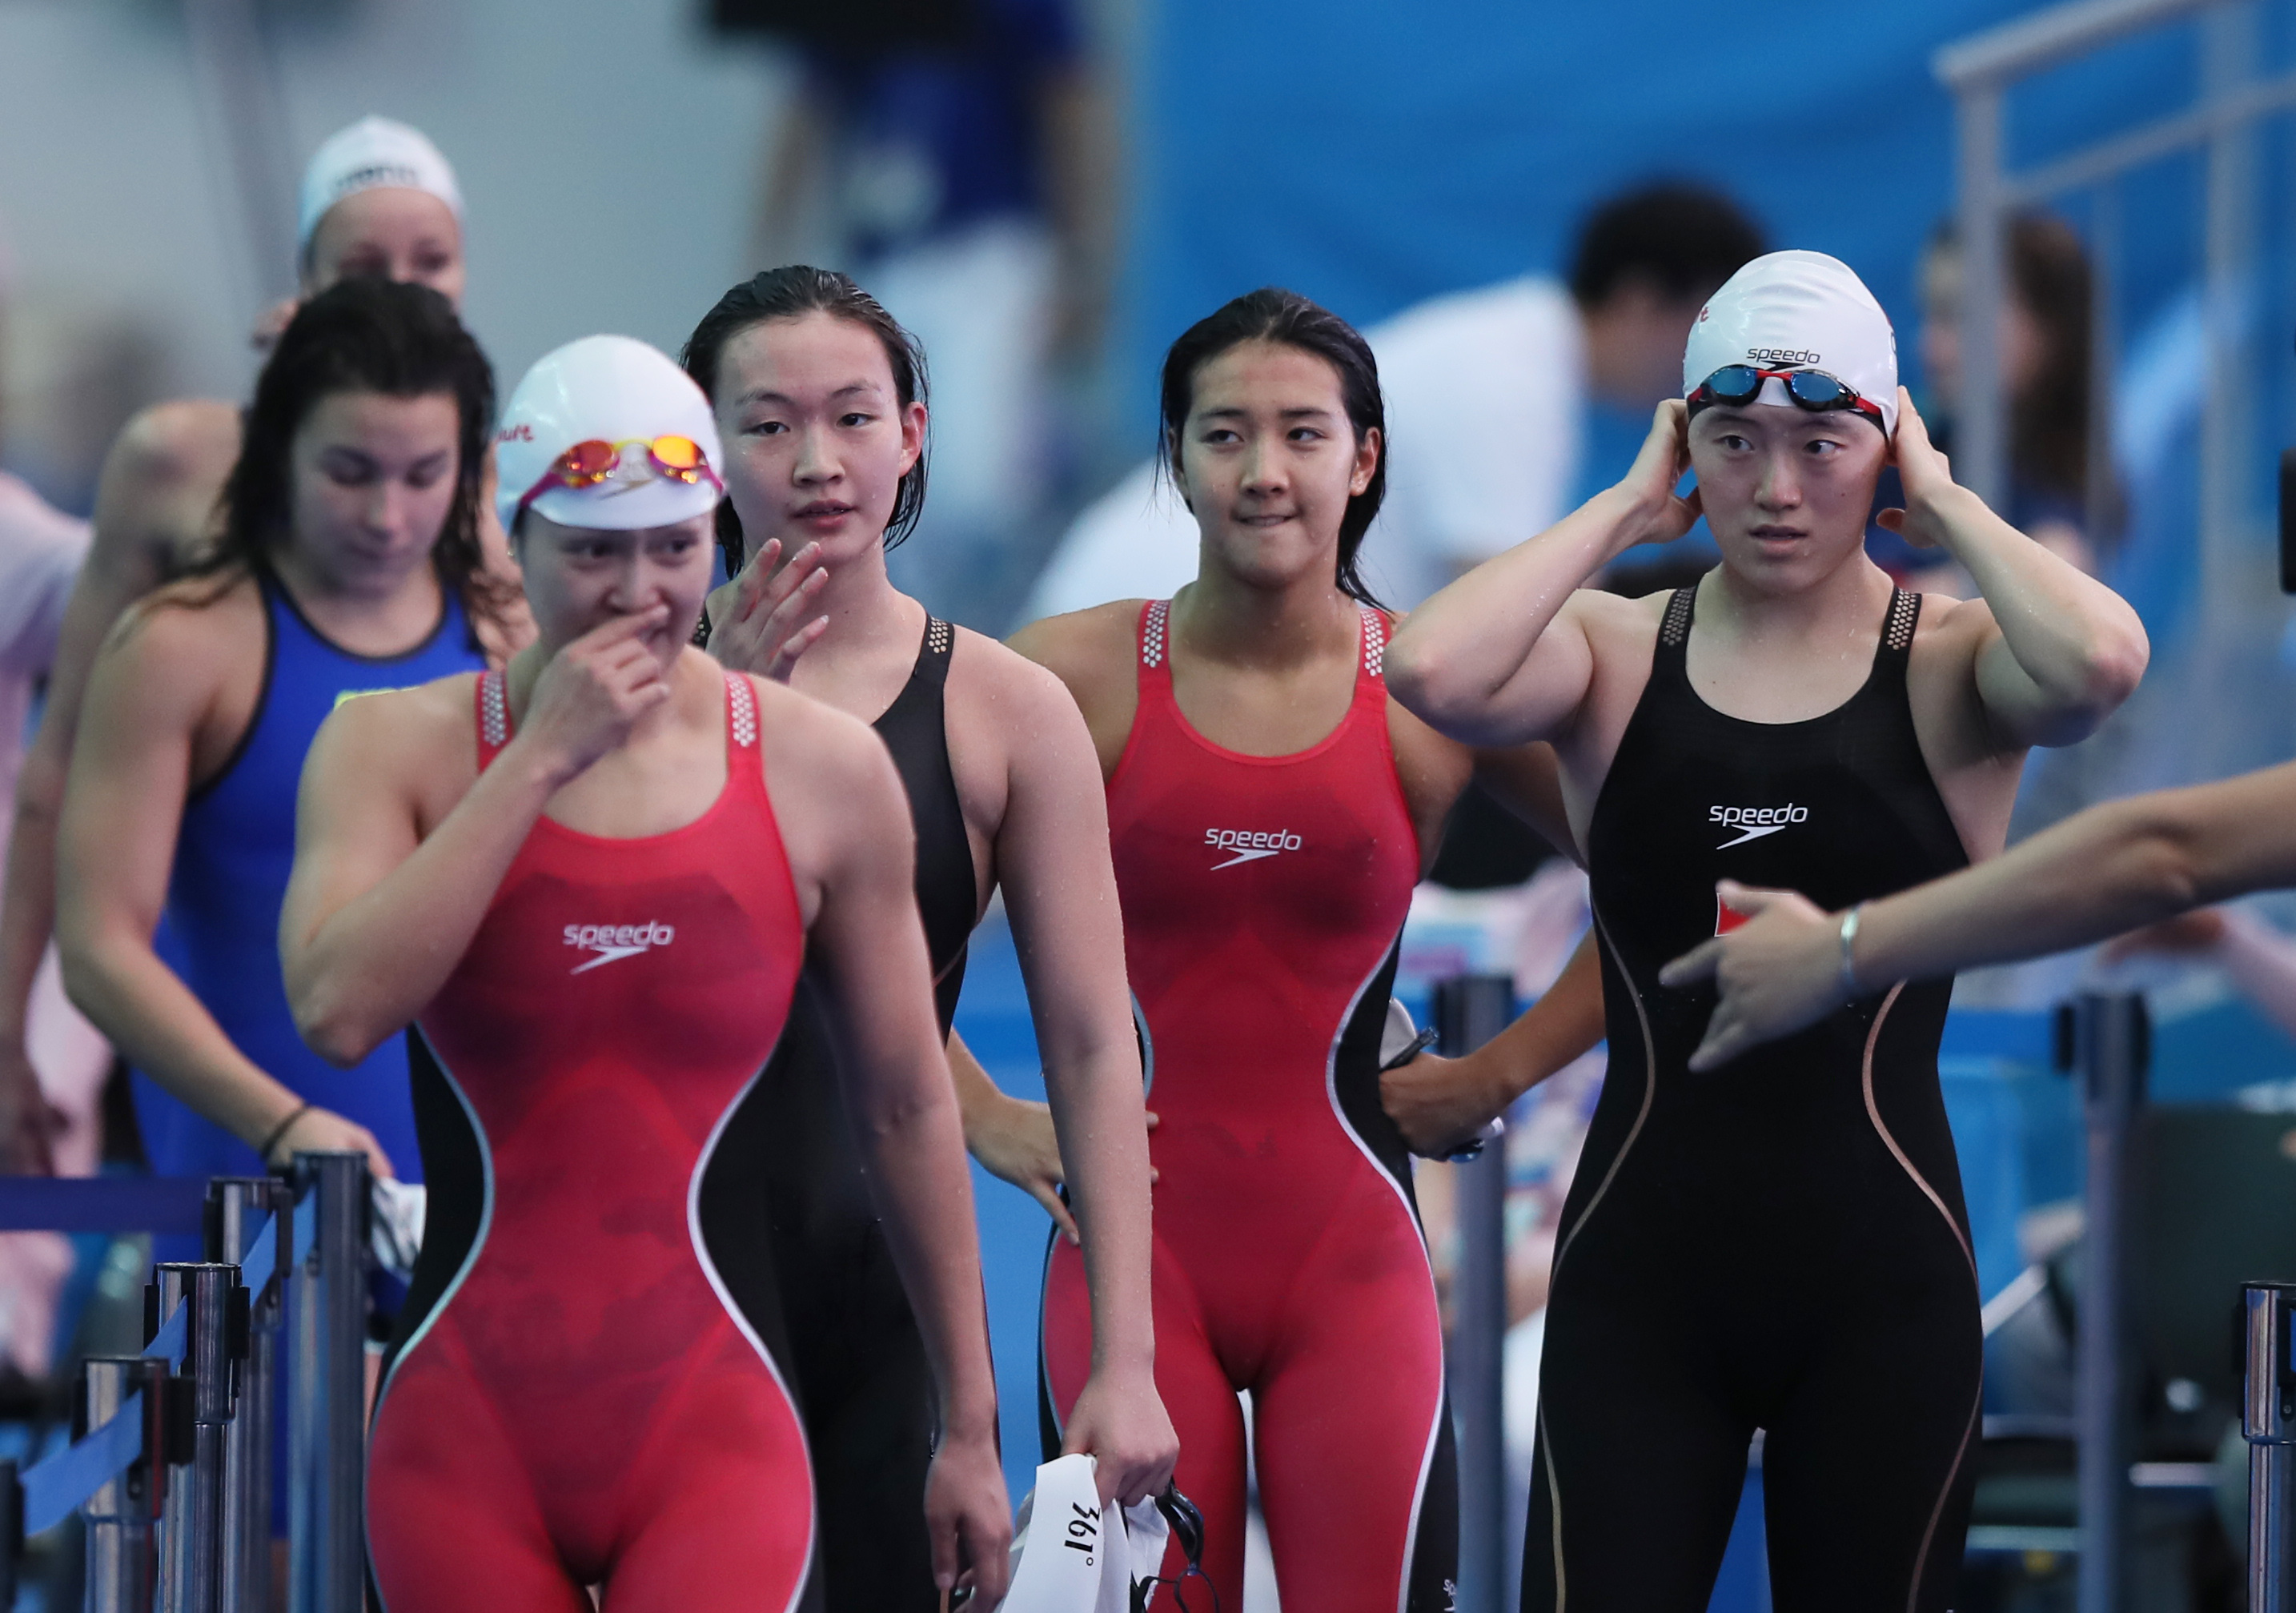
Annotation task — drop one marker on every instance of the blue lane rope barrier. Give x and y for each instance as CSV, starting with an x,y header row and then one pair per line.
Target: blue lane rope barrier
x,y
55,1487
103,1204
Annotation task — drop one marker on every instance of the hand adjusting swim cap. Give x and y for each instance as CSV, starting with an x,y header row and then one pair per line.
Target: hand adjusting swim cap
x,y
1788,312
371,153
607,432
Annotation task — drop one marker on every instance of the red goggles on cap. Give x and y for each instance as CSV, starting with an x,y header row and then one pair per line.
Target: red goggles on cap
x,y
585,464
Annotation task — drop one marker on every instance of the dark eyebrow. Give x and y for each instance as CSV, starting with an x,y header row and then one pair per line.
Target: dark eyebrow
x,y
767,394
1238,411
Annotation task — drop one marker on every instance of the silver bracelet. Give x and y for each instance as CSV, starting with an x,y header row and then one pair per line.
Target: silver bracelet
x,y
1848,981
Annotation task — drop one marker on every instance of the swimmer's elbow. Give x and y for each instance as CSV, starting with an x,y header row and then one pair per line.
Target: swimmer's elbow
x,y
1430,684
2114,664
334,1027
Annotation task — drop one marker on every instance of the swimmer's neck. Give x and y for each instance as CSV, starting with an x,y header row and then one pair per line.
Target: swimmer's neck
x,y
367,609
1851,598
1223,617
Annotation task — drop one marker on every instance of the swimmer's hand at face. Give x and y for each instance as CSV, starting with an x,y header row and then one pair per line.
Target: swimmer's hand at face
x,y
1659,468
759,621
1925,471
1777,972
592,693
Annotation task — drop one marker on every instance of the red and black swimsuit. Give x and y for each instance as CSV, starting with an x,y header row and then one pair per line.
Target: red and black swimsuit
x,y
1263,899
581,1391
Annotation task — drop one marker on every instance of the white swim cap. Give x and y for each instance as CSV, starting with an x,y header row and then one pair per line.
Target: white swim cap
x,y
1797,311
658,462
370,153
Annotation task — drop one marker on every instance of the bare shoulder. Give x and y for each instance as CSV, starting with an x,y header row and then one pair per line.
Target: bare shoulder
x,y
996,678
834,750
1945,619
184,625
1084,648
428,718
160,485
183,440
1614,624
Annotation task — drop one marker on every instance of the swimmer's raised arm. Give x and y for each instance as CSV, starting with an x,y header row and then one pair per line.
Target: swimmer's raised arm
x,y
2101,872
2056,651
850,841
1502,655
379,914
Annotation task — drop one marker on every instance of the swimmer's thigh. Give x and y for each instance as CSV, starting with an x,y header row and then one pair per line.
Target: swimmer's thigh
x,y
718,1512
453,1522
1358,1475
1197,1396
1641,1459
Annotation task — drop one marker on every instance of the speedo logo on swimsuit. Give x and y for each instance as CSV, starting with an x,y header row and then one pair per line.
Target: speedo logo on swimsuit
x,y
1752,822
612,942
1249,845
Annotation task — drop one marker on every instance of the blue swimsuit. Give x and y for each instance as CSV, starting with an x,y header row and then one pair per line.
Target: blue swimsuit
x,y
233,856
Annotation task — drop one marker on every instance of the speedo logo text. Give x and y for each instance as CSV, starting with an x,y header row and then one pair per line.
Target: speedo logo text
x,y
614,942
1249,845
1752,822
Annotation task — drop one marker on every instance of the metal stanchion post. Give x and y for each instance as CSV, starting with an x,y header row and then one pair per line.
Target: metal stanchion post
x,y
2111,1038
12,1532
192,1521
327,1411
2268,1419
118,1516
1469,1011
237,1207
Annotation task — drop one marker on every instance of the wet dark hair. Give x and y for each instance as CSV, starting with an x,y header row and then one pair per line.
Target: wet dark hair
x,y
1683,241
791,292
361,335
1272,314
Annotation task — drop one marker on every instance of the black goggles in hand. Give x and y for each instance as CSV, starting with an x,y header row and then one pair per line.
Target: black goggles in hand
x,y
1739,385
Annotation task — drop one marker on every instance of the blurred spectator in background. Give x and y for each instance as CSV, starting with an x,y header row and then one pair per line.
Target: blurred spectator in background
x,y
48,1123
1486,392
958,157
377,198
2045,373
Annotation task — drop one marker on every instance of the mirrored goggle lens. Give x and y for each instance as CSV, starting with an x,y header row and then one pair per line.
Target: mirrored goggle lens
x,y
679,456
1735,384
585,464
1812,390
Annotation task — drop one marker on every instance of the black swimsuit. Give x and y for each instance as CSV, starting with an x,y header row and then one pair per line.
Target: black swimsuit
x,y
1779,1244
863,1383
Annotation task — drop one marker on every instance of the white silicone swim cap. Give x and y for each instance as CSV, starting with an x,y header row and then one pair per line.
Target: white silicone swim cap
x,y
370,153
1797,311
612,389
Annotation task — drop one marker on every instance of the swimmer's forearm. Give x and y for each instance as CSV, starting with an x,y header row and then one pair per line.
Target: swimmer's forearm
x,y
159,1026
2100,872
28,909
1101,1120
923,1189
1564,1023
2082,646
365,969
